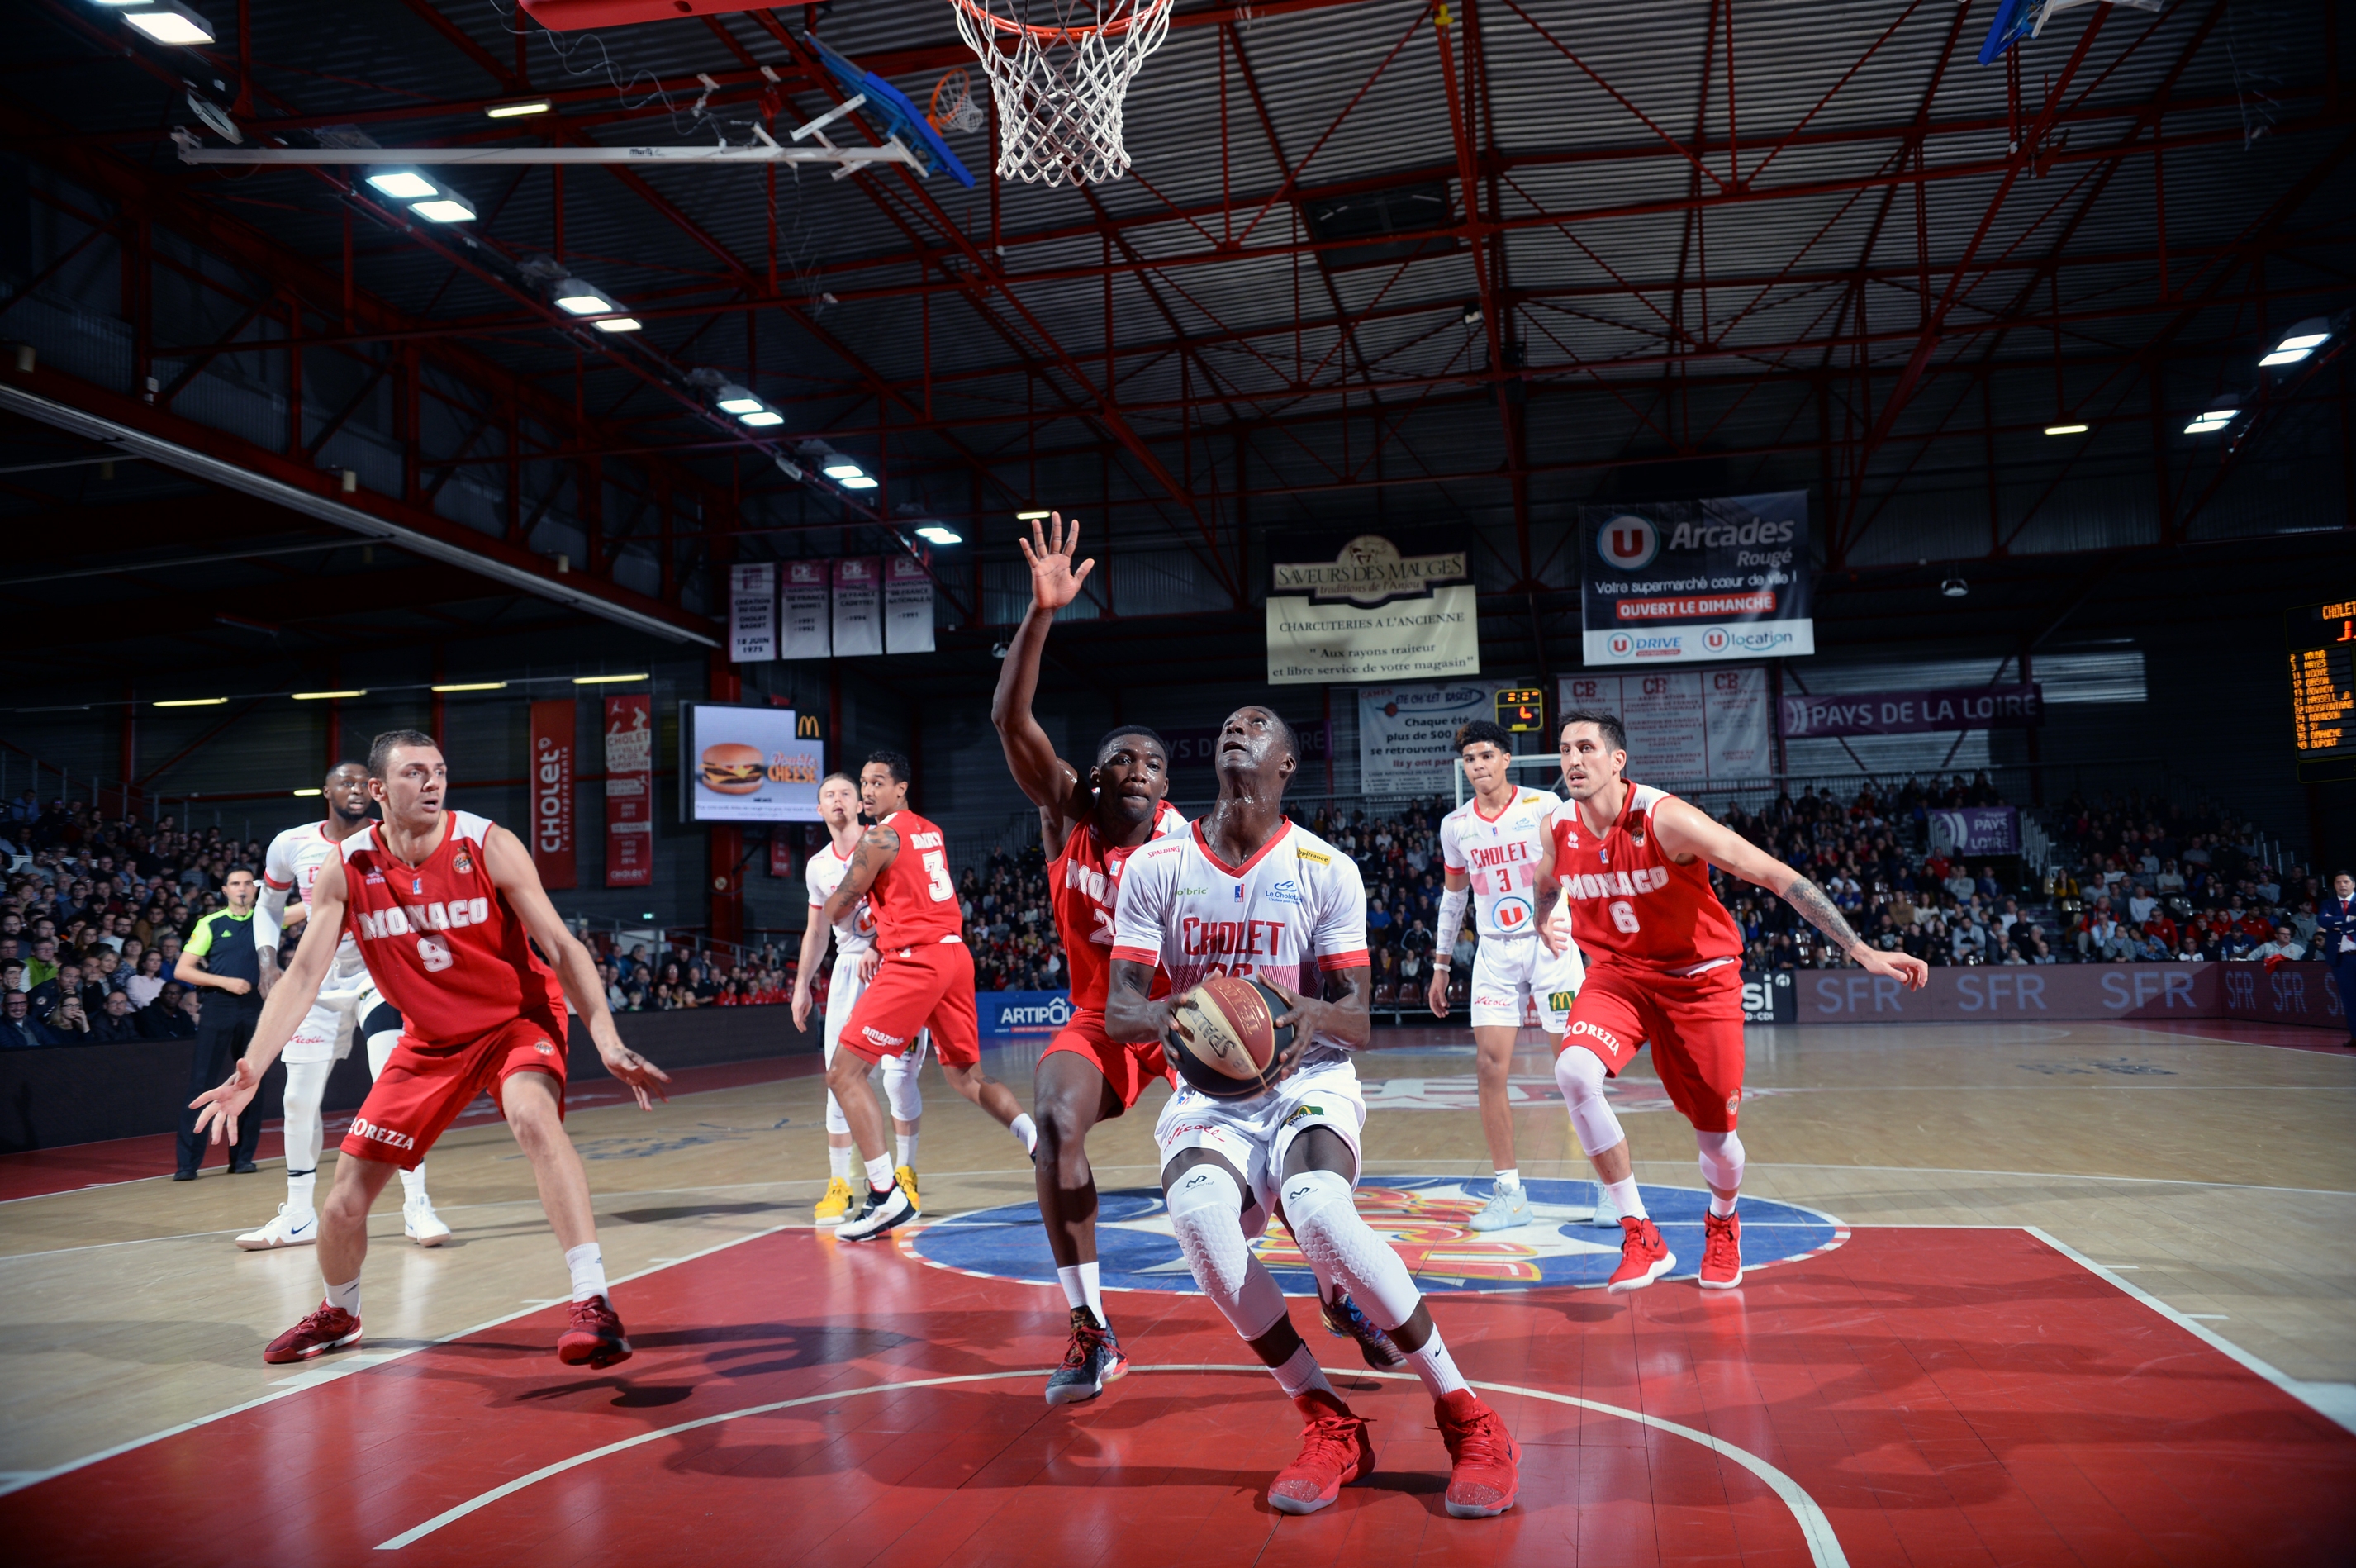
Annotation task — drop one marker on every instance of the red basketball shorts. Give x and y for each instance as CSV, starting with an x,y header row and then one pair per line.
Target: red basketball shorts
x,y
1694,1024
930,987
1127,1067
423,1088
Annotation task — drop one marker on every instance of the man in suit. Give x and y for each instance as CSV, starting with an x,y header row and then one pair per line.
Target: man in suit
x,y
2335,942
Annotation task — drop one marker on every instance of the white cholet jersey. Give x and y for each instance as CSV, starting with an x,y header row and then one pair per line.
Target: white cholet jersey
x,y
291,870
1294,912
824,871
1500,855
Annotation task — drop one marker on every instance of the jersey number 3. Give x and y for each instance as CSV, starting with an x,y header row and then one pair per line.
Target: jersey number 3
x,y
936,876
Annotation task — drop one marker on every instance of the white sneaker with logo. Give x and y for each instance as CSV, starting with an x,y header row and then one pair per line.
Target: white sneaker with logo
x,y
421,1224
287,1228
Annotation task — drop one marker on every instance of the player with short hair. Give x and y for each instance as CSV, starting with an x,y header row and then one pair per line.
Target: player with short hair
x,y
447,907
349,1004
1664,968
855,958
1090,827
1248,892
1489,849
901,866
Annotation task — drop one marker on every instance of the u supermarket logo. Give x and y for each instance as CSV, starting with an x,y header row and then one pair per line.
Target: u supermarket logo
x,y
1715,639
1622,644
1628,544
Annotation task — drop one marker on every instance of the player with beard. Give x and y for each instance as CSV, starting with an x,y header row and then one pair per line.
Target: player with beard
x,y
447,908
1246,892
349,1004
1663,969
1090,828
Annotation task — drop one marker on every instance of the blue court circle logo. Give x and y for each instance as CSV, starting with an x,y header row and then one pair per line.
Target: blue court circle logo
x,y
1427,1218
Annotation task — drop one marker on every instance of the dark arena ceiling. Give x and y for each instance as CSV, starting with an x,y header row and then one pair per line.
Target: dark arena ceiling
x,y
1378,264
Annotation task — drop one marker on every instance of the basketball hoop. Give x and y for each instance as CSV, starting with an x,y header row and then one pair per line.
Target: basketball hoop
x,y
953,107
1060,82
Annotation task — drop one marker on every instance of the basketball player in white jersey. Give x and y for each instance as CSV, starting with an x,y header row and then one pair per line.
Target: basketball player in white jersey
x,y
349,1004
1490,847
855,959
1246,892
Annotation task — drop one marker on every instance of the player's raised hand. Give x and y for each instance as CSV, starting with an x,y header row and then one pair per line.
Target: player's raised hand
x,y
1912,971
217,1108
1054,584
629,1066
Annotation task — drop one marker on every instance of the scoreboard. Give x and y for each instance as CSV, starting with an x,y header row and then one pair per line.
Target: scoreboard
x,y
1522,709
2322,639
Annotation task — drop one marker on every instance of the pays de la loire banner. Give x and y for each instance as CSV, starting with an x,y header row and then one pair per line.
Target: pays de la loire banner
x,y
1684,725
817,609
1694,581
2018,706
1368,609
550,784
629,791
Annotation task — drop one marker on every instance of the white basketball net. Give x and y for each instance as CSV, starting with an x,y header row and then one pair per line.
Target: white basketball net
x,y
1059,71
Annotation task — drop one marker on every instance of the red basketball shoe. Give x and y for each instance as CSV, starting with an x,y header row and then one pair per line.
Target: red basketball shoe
x,y
329,1329
1643,1256
1721,1252
595,1338
1486,1474
1335,1450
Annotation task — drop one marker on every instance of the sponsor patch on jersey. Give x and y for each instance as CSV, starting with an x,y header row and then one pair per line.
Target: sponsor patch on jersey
x,y
1636,837
462,864
1239,892
1313,856
1303,1111
1280,892
1190,892
1731,1101
879,1037
543,1048
377,877
1560,1001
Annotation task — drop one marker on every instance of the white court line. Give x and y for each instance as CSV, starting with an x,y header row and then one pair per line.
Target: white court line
x,y
2202,1331
1824,1546
313,1376
2040,1176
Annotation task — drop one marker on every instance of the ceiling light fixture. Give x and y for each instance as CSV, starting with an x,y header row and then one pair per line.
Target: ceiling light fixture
x,y
1954,587
472,686
761,418
577,298
2301,341
192,701
2215,419
735,399
403,185
2067,429
447,207
862,483
320,696
169,22
619,324
517,111
939,534
842,469
1032,516
606,680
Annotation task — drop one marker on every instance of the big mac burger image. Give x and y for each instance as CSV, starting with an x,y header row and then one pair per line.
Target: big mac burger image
x,y
731,769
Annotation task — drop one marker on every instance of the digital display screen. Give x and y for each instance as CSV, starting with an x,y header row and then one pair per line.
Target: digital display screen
x,y
2322,639
1522,709
749,765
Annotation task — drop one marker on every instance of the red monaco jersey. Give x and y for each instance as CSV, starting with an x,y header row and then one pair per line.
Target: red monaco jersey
x,y
1084,886
915,899
440,939
1631,902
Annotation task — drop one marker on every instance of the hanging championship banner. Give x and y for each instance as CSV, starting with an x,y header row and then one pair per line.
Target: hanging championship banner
x,y
629,791
805,612
1689,580
858,607
1368,612
753,612
907,605
1407,734
1684,725
550,787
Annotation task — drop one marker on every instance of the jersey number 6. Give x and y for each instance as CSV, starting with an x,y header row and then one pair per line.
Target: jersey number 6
x,y
1623,915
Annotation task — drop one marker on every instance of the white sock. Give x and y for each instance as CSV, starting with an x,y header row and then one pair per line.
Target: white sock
x,y
908,1142
837,1164
1721,1207
413,1185
1080,1288
1024,1132
1435,1366
879,1174
1509,1180
587,1262
346,1297
1624,1193
299,1191
1302,1375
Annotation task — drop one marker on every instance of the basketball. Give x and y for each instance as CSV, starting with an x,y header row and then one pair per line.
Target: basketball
x,y
1223,1039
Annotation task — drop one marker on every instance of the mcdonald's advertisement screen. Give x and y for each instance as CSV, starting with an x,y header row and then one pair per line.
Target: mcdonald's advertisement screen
x,y
749,765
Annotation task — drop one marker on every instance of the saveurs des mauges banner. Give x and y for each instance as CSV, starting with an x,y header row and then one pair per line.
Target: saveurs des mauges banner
x,y
1698,580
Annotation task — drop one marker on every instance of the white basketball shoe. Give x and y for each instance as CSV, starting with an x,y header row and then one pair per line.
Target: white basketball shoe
x,y
287,1228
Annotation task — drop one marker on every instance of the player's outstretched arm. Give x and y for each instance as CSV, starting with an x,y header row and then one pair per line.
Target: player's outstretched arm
x,y
513,874
1051,783
283,1012
1686,831
879,846
814,943
1131,1014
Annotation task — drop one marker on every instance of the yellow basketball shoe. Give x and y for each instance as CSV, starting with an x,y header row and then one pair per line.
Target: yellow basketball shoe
x,y
907,1177
835,1204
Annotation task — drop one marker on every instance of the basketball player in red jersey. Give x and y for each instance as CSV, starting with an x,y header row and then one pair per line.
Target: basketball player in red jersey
x,y
1088,828
925,982
445,906
1664,968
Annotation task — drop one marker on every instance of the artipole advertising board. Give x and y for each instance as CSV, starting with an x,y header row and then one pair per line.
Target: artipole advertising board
x,y
1689,580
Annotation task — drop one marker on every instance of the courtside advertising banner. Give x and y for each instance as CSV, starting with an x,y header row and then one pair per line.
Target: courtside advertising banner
x,y
804,611
1706,725
753,612
1688,582
746,765
1367,610
551,784
1017,1013
629,791
1407,734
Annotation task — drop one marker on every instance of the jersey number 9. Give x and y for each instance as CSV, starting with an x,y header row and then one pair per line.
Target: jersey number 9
x,y
434,954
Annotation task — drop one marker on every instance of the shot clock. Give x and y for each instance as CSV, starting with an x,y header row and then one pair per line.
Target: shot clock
x,y
1522,709
2322,639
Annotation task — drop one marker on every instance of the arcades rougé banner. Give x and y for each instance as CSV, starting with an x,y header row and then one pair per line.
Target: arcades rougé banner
x,y
1684,581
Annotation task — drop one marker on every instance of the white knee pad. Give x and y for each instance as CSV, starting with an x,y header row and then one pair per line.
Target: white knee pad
x,y
1580,1073
1722,1159
1344,1250
1206,1216
306,1085
380,1051
902,1088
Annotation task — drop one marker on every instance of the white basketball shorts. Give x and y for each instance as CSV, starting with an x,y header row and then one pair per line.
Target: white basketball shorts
x,y
327,1031
1510,972
1253,1135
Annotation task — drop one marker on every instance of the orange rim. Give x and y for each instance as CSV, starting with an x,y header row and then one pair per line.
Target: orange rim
x,y
1047,35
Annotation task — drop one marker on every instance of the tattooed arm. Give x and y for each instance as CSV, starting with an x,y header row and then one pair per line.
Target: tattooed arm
x,y
878,847
1687,834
